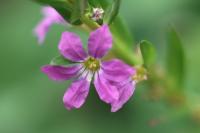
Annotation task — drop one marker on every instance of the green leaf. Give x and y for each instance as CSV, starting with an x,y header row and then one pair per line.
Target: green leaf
x,y
122,33
60,60
112,12
123,46
99,3
93,3
148,53
79,7
175,63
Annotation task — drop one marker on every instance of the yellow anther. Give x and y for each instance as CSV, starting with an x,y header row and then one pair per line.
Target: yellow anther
x,y
92,64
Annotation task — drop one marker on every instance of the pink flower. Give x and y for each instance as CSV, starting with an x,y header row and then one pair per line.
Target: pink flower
x,y
51,16
88,66
126,89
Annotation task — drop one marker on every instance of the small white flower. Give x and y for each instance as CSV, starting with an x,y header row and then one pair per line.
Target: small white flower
x,y
97,14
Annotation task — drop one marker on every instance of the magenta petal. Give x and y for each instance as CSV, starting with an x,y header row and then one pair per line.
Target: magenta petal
x,y
41,29
125,92
76,94
50,12
99,42
61,73
71,47
105,90
116,70
50,17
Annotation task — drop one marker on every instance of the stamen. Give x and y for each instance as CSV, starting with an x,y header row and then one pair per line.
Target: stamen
x,y
92,64
81,71
85,73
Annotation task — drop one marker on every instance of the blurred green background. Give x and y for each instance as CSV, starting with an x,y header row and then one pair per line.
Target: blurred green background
x,y
31,103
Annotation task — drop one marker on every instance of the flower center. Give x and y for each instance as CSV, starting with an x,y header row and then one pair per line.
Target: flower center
x,y
92,64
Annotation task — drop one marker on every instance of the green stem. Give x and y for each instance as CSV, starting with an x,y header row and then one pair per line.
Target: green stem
x,y
91,24
122,51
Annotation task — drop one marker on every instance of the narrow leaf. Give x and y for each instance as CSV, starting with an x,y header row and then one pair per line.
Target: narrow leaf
x,y
112,11
148,53
99,3
79,7
93,3
124,42
175,58
123,33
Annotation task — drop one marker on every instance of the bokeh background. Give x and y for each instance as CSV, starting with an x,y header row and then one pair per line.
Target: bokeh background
x,y
31,103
